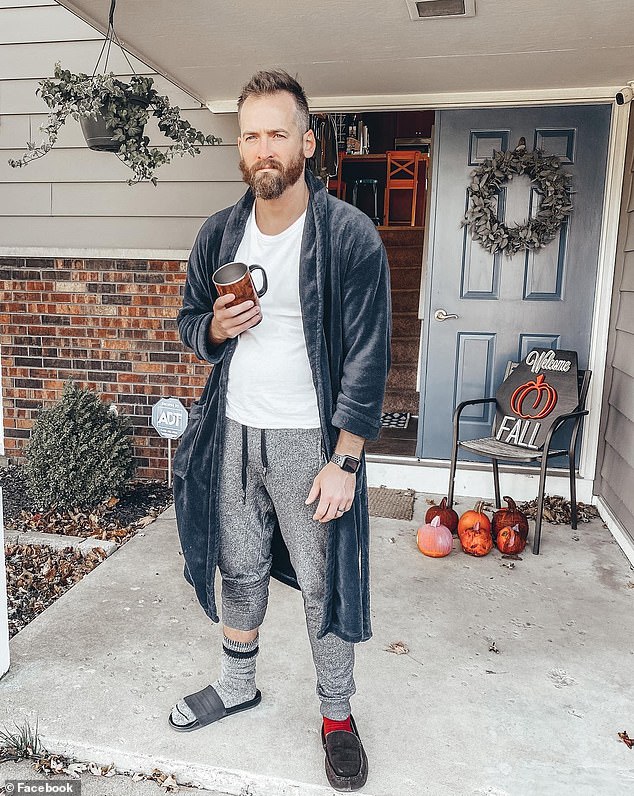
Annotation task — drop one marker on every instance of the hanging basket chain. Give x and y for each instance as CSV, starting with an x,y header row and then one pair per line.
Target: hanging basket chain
x,y
552,183
111,36
122,108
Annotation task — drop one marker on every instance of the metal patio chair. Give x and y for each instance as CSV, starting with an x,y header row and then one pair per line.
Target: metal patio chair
x,y
495,450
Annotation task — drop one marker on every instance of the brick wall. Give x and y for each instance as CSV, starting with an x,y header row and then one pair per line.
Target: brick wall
x,y
107,324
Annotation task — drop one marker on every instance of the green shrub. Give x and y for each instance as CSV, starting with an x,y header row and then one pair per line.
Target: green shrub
x,y
80,452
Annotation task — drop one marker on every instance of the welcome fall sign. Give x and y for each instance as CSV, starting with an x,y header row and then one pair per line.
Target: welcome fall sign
x,y
540,389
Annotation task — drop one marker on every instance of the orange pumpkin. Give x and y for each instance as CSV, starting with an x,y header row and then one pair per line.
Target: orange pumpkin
x,y
469,519
448,517
434,539
477,541
510,540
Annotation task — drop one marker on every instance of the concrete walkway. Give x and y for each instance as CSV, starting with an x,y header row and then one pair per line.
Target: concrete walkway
x,y
101,668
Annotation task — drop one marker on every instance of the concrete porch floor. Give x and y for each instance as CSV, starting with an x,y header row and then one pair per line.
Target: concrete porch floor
x,y
101,668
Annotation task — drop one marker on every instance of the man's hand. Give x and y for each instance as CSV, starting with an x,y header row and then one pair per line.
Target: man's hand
x,y
335,489
231,321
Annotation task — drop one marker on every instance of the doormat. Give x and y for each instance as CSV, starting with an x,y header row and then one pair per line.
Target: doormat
x,y
395,419
394,504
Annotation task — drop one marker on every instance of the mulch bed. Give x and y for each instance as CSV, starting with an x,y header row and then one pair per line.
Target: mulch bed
x,y
116,519
36,574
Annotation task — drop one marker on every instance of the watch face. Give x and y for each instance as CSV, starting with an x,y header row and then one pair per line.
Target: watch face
x,y
350,464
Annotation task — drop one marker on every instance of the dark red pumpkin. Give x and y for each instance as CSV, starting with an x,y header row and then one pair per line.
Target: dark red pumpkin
x,y
509,517
476,541
448,517
510,540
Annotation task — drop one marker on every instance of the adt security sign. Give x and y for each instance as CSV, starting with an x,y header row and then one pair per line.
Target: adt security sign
x,y
169,417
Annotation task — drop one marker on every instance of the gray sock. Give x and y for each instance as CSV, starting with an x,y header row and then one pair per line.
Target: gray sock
x,y
236,683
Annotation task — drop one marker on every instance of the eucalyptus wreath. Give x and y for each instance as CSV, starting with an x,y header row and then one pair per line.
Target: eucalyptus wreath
x,y
126,107
552,183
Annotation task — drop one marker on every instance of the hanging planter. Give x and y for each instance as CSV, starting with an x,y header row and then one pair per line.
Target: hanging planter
x,y
113,115
98,134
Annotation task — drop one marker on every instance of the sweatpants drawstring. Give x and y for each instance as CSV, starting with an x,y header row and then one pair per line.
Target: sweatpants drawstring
x,y
265,462
245,460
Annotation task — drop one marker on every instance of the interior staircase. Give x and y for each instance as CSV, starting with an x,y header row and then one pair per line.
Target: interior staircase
x,y
404,246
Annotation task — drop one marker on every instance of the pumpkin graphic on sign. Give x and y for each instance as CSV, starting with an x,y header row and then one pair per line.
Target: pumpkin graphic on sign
x,y
545,395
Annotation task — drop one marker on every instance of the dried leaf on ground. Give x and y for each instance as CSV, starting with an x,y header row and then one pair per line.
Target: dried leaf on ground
x,y
166,781
629,742
398,648
37,575
557,510
75,769
169,783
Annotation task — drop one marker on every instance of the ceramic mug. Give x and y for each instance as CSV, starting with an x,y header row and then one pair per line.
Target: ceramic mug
x,y
237,278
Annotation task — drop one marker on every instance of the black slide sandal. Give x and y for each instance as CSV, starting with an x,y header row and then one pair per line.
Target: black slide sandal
x,y
207,706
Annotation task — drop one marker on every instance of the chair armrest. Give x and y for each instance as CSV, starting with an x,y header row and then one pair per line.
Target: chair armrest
x,y
456,419
461,406
559,421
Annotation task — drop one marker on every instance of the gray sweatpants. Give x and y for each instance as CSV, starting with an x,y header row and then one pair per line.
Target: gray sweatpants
x,y
268,473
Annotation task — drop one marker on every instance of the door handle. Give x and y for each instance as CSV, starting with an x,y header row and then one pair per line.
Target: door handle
x,y
441,315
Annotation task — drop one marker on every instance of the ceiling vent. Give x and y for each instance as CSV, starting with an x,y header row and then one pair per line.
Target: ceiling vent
x,y
440,9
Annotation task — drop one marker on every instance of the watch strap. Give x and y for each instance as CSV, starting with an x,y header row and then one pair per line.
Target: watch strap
x,y
346,462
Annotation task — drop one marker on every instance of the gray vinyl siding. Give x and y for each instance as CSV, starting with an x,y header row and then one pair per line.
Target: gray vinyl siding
x,y
76,199
615,463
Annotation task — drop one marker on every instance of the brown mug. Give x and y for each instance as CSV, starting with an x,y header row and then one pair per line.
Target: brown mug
x,y
236,278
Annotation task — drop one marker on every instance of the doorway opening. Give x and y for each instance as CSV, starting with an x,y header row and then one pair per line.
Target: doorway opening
x,y
384,162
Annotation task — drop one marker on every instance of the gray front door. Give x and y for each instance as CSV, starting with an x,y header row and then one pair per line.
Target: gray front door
x,y
505,306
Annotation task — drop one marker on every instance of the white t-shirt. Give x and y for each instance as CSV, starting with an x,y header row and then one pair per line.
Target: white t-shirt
x,y
270,381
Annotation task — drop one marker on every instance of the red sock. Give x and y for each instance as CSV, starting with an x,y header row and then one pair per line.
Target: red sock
x,y
330,725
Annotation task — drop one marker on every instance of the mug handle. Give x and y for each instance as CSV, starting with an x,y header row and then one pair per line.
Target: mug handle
x,y
265,284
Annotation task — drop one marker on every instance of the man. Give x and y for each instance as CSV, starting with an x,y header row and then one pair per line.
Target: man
x,y
297,386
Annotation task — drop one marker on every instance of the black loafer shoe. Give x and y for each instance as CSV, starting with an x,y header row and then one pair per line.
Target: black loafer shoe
x,y
346,761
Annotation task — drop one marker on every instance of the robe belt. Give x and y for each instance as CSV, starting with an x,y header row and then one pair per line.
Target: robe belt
x,y
245,458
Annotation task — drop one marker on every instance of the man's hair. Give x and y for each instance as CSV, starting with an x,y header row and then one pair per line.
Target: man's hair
x,y
273,81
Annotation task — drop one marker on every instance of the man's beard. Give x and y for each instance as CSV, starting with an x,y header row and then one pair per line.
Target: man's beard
x,y
272,184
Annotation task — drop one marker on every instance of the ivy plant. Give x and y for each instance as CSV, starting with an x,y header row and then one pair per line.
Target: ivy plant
x,y
126,108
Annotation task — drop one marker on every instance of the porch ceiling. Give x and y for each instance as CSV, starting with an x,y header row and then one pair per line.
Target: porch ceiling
x,y
344,49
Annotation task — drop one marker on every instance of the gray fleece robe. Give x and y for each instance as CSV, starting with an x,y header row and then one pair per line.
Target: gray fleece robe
x,y
346,310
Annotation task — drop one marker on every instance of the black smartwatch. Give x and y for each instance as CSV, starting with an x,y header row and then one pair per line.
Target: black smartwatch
x,y
348,463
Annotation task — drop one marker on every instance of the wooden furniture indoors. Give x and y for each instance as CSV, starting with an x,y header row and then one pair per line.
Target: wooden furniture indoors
x,y
377,165
402,175
337,185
